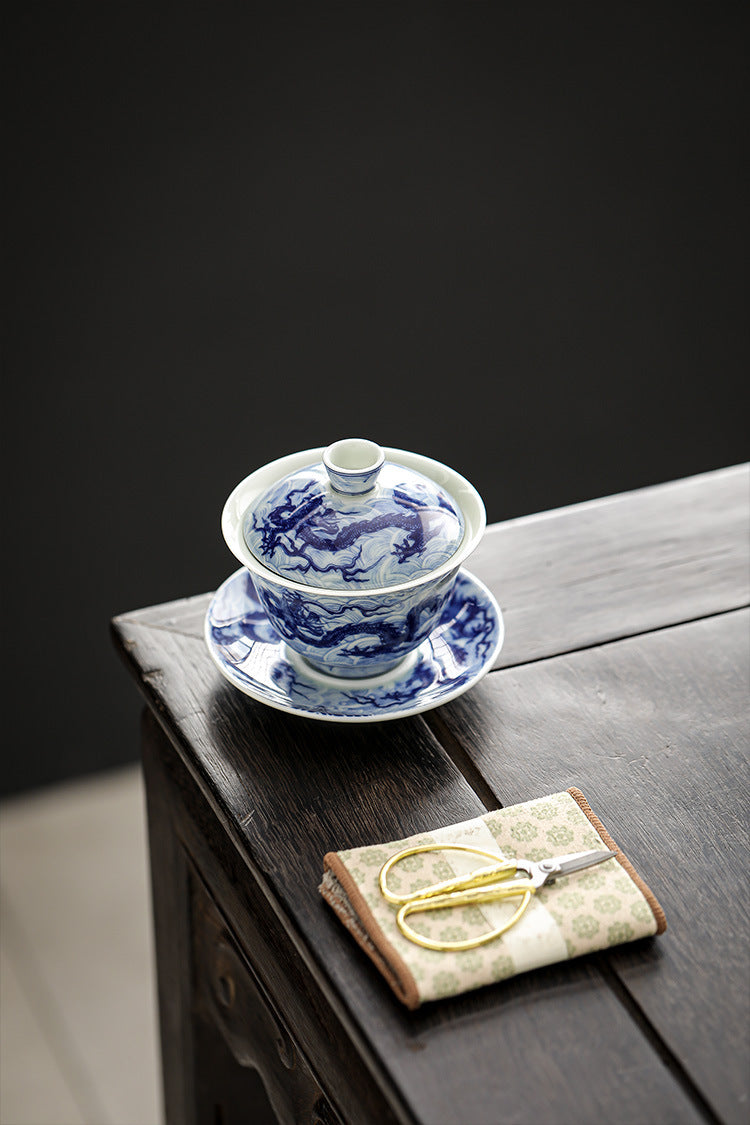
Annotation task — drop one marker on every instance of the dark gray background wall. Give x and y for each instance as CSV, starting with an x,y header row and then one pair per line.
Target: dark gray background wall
x,y
511,237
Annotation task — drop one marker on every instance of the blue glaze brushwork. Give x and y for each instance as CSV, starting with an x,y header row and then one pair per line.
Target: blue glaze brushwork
x,y
456,654
361,636
307,531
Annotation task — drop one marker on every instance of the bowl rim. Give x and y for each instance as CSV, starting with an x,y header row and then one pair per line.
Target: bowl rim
x,y
461,490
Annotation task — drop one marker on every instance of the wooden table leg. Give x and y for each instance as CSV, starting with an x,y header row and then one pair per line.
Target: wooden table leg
x,y
171,902
223,1043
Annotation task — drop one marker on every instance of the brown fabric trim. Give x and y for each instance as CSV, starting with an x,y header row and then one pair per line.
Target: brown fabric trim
x,y
375,944
648,894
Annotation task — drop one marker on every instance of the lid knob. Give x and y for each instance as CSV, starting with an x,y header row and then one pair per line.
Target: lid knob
x,y
353,464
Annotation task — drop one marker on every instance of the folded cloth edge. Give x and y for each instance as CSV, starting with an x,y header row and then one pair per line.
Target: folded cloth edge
x,y
343,895
622,859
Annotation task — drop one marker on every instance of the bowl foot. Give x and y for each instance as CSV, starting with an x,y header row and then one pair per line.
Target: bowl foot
x,y
320,675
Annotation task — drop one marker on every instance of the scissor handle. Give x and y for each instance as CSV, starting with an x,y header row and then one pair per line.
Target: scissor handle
x,y
472,897
486,884
497,870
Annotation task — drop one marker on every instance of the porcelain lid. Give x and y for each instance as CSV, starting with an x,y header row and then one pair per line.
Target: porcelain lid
x,y
354,520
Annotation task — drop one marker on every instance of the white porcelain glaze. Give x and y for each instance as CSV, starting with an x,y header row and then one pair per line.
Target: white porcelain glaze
x,y
357,628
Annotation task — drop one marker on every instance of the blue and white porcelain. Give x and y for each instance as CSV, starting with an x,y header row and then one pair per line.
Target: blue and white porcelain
x,y
353,550
348,529
248,651
353,465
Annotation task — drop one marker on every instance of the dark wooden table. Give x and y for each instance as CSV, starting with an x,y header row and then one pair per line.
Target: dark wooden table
x,y
624,672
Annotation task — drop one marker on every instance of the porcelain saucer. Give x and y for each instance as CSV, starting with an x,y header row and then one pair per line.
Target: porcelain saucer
x,y
252,656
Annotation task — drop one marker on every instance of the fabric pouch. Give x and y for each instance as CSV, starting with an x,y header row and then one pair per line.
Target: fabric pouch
x,y
589,910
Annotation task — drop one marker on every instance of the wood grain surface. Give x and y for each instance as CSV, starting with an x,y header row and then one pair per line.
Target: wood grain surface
x,y
650,727
285,791
655,732
618,567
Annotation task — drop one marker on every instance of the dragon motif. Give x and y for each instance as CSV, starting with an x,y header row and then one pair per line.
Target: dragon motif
x,y
302,533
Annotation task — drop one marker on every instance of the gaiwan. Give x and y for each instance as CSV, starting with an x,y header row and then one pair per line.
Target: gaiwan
x,y
353,550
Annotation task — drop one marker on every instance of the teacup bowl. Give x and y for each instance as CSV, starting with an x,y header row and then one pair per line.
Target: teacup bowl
x,y
360,632
366,635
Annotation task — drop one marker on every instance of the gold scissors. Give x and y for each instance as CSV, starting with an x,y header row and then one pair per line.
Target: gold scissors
x,y
490,883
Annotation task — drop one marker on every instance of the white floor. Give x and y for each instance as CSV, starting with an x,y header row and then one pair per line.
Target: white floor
x,y
78,1025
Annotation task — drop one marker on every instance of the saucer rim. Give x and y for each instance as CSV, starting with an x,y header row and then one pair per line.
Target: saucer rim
x,y
376,716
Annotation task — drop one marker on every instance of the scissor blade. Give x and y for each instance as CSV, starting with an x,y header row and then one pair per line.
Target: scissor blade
x,y
577,861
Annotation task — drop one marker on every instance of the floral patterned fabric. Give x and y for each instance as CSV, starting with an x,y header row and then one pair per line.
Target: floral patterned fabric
x,y
594,909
